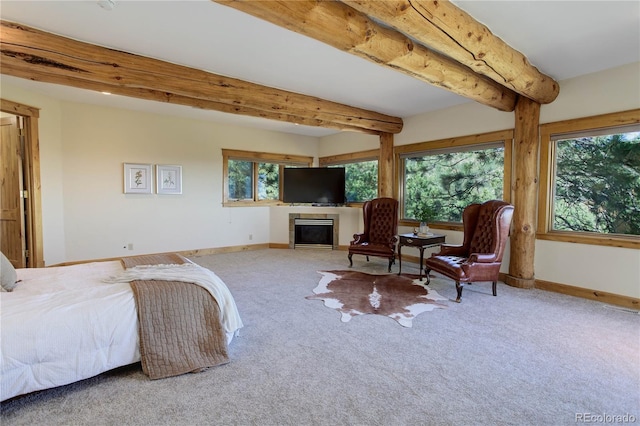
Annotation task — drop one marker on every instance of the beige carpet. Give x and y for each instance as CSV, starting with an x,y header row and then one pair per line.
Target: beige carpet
x,y
525,357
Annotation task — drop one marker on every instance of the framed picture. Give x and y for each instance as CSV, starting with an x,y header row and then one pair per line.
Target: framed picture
x,y
138,178
169,179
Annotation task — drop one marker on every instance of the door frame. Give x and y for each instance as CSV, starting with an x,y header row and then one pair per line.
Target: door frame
x,y
32,182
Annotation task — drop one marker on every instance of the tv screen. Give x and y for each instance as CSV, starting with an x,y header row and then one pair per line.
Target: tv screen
x,y
316,185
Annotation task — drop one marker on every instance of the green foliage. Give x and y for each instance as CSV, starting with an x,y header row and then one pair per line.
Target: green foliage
x,y
361,180
268,181
597,184
424,212
439,186
240,180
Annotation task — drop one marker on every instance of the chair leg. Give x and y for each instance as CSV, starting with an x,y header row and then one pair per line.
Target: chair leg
x,y
459,287
367,258
350,260
494,288
390,263
426,273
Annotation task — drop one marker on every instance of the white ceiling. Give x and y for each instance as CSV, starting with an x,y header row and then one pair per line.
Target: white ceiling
x,y
563,39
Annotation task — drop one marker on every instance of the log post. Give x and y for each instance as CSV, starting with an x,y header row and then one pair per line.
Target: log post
x,y
385,166
525,192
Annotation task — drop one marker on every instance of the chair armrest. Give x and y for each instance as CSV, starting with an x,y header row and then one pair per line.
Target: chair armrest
x,y
357,238
450,250
482,258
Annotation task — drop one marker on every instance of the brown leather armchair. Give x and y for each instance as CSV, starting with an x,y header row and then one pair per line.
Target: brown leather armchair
x,y
380,231
486,228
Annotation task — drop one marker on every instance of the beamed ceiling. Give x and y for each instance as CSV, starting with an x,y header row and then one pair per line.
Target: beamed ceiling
x,y
316,67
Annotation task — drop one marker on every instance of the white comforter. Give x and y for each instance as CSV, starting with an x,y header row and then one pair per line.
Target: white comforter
x,y
64,324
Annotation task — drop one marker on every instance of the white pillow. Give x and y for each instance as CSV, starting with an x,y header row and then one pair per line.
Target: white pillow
x,y
8,275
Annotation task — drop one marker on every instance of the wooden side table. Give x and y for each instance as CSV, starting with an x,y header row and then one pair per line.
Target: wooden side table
x,y
413,240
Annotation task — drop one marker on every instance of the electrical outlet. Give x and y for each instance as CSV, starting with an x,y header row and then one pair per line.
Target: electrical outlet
x,y
130,246
250,237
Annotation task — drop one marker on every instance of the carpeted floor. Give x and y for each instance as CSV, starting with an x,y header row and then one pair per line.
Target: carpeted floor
x,y
526,357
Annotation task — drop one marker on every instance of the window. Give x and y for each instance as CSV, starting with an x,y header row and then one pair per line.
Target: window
x,y
255,177
361,174
592,179
439,179
240,180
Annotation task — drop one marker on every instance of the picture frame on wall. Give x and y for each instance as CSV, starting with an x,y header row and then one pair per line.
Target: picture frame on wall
x,y
138,178
169,179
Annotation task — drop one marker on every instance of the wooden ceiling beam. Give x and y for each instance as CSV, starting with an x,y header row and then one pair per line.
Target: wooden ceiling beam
x,y
347,29
442,26
155,95
33,54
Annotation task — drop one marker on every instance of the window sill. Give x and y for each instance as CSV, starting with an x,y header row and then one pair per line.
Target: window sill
x,y
250,203
585,238
277,203
451,226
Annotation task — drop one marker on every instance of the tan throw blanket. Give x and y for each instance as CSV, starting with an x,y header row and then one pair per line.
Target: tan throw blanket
x,y
179,328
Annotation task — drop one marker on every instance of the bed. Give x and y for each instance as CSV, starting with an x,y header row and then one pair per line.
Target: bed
x,y
63,324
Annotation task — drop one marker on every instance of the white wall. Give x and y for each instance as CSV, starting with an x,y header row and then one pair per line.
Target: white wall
x,y
603,92
577,265
100,219
86,215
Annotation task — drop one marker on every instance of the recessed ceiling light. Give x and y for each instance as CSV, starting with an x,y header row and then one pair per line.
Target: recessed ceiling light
x,y
107,4
106,93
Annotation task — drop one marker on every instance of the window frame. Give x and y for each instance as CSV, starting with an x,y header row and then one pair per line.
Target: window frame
x,y
257,157
350,158
547,177
464,142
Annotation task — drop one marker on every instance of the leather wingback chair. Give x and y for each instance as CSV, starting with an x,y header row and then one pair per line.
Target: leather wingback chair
x,y
486,228
380,231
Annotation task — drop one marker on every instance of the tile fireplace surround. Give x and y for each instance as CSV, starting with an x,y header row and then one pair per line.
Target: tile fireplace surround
x,y
294,216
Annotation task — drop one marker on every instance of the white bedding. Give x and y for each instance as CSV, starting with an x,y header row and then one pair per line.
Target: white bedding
x,y
64,324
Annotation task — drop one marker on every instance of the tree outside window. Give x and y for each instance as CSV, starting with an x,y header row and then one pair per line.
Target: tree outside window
x,y
597,184
240,180
255,177
590,180
361,174
268,181
439,185
361,180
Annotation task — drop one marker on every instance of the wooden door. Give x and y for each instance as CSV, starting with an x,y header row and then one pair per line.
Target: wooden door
x,y
12,223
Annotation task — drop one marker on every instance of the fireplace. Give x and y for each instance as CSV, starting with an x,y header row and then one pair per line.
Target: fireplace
x,y
313,233
318,231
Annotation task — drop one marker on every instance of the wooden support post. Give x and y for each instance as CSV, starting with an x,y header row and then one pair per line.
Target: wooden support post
x,y
385,166
525,193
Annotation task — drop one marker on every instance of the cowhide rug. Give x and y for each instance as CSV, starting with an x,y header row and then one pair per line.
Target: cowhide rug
x,y
356,293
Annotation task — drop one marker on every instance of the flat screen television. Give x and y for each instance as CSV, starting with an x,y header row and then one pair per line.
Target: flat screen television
x,y
314,185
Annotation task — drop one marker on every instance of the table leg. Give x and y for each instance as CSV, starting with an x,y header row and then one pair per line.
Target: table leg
x,y
399,259
421,257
